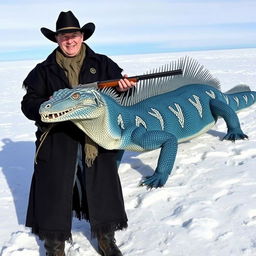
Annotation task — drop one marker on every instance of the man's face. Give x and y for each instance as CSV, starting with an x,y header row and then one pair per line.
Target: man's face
x,y
70,43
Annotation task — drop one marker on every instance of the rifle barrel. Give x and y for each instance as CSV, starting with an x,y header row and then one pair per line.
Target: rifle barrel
x,y
114,82
159,74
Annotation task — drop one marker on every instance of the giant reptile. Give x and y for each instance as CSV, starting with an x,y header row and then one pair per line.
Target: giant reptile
x,y
160,113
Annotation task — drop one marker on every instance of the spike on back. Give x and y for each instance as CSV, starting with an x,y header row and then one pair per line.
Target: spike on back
x,y
239,88
193,73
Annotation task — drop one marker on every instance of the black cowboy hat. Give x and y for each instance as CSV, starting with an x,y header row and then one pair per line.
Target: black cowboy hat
x,y
68,23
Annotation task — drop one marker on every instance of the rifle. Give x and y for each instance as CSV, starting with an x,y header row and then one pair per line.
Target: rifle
x,y
114,82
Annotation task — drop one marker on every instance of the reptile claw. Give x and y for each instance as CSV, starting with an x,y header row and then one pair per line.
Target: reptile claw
x,y
235,136
155,181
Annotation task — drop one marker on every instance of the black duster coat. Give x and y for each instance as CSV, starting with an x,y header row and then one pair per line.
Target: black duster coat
x,y
53,195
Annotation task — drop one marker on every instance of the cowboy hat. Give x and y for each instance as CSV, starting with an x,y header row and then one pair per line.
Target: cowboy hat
x,y
68,23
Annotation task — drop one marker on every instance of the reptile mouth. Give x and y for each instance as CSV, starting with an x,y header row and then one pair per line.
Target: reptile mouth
x,y
55,115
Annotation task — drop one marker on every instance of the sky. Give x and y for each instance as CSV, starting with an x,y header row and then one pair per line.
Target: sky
x,y
130,27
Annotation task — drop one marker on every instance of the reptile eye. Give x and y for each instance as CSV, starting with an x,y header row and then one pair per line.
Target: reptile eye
x,y
48,106
75,96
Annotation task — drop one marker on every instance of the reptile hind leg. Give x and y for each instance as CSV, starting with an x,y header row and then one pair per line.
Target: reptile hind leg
x,y
150,140
219,108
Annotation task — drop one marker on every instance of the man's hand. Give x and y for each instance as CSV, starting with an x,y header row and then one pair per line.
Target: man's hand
x,y
124,84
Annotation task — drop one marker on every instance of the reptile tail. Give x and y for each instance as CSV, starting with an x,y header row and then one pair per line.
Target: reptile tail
x,y
240,97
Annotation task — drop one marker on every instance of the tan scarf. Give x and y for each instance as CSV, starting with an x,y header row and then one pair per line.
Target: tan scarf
x,y
72,67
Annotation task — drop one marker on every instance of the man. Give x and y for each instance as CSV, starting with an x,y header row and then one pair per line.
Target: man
x,y
71,171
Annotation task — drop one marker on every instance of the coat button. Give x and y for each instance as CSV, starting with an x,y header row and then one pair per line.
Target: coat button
x,y
93,71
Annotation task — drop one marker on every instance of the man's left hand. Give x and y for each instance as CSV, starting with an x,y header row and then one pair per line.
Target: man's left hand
x,y
124,84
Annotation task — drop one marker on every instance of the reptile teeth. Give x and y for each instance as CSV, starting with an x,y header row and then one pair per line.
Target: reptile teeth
x,y
56,115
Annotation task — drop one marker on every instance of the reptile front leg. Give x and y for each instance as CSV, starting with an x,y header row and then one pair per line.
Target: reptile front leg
x,y
150,140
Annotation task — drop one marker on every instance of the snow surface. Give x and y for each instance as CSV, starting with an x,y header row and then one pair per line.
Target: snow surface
x,y
208,205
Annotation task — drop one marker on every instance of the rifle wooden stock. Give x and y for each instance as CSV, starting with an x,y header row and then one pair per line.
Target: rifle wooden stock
x,y
113,83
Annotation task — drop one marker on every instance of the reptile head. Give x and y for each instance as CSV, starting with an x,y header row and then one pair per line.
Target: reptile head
x,y
72,104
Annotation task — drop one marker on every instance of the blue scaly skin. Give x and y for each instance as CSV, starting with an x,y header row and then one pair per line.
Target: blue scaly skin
x,y
160,121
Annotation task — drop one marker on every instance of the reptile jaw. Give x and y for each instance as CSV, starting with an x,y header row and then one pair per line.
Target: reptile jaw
x,y
51,116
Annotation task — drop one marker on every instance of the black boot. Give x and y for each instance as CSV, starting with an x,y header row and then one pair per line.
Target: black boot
x,y
54,248
107,245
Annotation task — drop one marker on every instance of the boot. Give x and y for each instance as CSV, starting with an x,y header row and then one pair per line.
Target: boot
x,y
54,248
107,245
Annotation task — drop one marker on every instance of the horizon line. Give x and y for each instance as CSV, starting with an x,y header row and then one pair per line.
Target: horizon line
x,y
42,55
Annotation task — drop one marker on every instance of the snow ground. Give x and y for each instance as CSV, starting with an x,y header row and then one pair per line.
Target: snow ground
x,y
208,205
